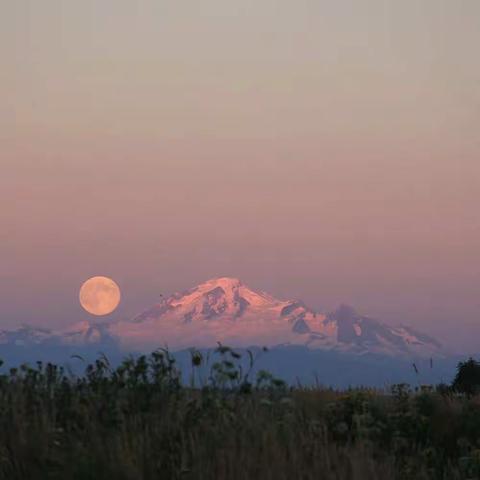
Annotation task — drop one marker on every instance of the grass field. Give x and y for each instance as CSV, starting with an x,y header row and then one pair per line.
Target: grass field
x,y
137,421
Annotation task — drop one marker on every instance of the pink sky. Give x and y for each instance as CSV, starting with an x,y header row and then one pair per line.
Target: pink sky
x,y
316,149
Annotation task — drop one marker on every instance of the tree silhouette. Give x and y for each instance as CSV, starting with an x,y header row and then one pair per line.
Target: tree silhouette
x,y
467,379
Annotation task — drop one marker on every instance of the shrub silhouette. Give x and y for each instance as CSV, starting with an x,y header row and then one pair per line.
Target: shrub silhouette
x,y
467,379
137,420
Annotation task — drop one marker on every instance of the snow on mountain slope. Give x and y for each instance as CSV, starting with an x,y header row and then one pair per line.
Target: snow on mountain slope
x,y
26,335
361,333
82,333
223,310
226,310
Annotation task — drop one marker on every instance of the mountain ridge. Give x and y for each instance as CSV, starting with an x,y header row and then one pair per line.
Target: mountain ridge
x,y
226,310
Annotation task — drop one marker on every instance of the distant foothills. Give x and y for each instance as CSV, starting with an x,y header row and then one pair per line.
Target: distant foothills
x,y
343,346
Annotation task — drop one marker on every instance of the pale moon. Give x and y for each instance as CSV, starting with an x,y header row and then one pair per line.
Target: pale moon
x,y
99,295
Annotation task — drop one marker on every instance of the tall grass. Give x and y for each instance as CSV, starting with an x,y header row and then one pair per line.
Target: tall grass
x,y
137,421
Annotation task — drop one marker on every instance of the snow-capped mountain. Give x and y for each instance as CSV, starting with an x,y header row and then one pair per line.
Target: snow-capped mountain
x,y
82,333
26,335
226,310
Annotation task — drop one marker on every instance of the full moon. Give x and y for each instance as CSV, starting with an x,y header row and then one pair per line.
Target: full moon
x,y
99,295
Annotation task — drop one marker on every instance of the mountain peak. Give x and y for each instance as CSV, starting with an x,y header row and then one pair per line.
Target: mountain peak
x,y
223,282
345,312
226,310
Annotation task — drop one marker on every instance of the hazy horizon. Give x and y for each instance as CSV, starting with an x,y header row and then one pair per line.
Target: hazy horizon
x,y
326,151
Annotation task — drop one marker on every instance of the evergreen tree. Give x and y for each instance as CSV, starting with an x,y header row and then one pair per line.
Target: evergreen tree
x,y
467,379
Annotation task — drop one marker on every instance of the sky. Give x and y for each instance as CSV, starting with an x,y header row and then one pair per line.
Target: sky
x,y
317,149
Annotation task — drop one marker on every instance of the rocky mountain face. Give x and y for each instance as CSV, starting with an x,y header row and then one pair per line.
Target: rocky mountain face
x,y
226,310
